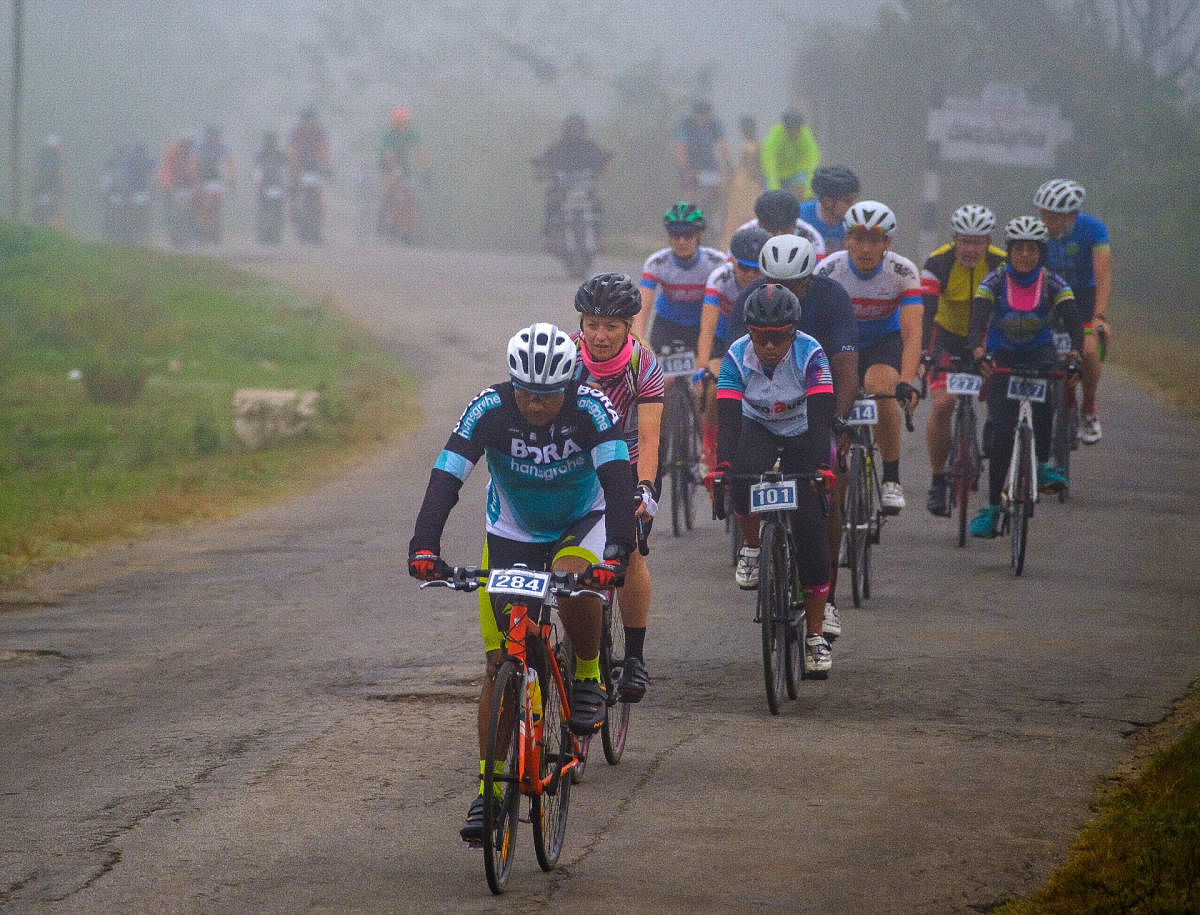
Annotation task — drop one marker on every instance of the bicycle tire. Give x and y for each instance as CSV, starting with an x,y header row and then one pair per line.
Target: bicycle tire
x,y
503,747
734,529
1022,505
684,453
962,469
773,601
675,455
857,524
548,809
1060,442
794,668
615,730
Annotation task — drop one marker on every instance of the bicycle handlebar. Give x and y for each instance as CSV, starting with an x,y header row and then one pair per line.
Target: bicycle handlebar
x,y
468,578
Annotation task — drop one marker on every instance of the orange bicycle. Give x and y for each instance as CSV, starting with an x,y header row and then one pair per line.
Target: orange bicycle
x,y
530,750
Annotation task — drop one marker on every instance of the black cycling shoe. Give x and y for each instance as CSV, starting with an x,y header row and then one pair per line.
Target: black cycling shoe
x,y
937,502
634,680
472,830
589,705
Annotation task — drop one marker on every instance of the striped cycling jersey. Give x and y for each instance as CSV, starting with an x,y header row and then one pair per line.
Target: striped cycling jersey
x,y
776,398
945,279
680,286
722,291
1020,318
803,229
878,297
1071,256
640,381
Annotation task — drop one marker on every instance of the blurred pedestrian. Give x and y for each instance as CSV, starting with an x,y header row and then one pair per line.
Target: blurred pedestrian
x,y
747,181
790,155
702,157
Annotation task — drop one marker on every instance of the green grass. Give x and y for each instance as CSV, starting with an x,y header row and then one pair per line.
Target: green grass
x,y
145,435
1141,853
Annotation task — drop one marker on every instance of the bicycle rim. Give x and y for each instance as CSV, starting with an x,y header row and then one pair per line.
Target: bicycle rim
x,y
503,749
1023,500
676,456
691,439
773,600
858,525
615,729
962,472
794,631
548,809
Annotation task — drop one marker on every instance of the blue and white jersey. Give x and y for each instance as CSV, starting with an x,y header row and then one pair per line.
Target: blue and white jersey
x,y
543,478
776,398
803,229
680,285
1071,255
833,235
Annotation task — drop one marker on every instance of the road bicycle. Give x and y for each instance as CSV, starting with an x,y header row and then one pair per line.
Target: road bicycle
x,y
1065,437
863,513
779,610
681,443
530,750
1026,386
966,458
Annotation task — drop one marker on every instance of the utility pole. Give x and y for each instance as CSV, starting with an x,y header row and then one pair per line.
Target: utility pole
x,y
15,152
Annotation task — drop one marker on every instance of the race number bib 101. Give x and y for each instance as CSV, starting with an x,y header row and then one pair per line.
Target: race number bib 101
x,y
772,497
1020,388
865,413
677,364
963,383
524,583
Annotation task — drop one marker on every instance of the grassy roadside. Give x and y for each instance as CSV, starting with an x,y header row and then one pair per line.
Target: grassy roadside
x,y
1163,365
117,374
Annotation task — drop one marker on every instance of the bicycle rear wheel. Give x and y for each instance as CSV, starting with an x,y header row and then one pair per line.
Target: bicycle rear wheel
x,y
1060,442
857,525
796,626
1022,504
684,452
501,778
773,601
548,810
612,661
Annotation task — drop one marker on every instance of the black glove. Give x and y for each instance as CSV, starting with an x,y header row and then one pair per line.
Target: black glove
x,y
610,573
905,393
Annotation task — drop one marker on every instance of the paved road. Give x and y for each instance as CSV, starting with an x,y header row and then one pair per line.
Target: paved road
x,y
264,715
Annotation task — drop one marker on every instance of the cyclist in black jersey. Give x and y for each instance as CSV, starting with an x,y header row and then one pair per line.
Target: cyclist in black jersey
x,y
559,497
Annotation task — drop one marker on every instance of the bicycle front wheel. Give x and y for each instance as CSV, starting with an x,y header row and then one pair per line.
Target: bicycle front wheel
x,y
962,468
773,603
858,525
1022,505
501,778
795,631
612,662
1060,442
548,808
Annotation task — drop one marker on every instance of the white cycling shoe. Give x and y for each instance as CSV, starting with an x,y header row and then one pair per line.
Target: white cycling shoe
x,y
892,496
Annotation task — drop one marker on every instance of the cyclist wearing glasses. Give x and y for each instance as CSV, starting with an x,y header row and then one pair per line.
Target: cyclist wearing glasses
x,y
558,497
949,279
1012,323
835,189
775,393
885,290
778,213
612,360
1078,251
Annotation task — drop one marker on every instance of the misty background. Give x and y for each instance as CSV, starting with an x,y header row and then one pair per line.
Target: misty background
x,y
488,83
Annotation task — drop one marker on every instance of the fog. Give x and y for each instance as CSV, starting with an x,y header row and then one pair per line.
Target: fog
x,y
100,73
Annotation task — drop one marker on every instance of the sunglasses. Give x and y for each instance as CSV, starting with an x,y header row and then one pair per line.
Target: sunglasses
x,y
772,336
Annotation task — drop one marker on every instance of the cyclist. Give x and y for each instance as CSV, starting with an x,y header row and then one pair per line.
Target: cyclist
x,y
776,396
835,188
1079,252
949,279
214,158
617,363
558,497
702,156
885,290
403,164
1012,320
778,212
721,292
307,148
574,152
789,155
826,315
673,282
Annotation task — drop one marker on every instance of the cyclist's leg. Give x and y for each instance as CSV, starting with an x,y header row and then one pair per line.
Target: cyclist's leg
x,y
755,453
1085,307
582,619
882,361
812,544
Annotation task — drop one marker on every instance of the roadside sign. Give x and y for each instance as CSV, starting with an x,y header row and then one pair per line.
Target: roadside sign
x,y
1001,127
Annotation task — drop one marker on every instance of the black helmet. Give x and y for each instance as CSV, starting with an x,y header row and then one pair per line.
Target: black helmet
x,y
777,210
771,305
684,216
746,245
609,295
834,181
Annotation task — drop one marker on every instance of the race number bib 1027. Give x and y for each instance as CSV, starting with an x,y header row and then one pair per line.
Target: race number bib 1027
x,y
865,413
524,583
773,497
963,383
1020,388
677,364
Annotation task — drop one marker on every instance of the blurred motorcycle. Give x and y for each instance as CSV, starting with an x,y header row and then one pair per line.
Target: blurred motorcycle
x,y
307,207
579,221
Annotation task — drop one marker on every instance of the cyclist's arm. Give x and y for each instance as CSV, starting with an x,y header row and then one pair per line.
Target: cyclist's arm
x,y
1102,267
649,418
729,409
1068,314
618,496
981,315
441,495
709,314
910,337
820,427
841,346
642,318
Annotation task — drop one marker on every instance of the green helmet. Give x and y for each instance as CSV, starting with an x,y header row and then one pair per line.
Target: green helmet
x,y
684,216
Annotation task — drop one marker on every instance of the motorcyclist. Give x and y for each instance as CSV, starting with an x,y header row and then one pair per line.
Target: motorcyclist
x,y
574,151
177,178
307,153
270,179
403,162
214,159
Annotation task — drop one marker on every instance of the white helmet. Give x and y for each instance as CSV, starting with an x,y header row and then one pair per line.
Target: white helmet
x,y
870,214
1026,228
541,357
973,219
787,257
1060,195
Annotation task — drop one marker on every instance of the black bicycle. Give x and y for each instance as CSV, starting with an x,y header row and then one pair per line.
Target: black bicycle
x,y
966,457
680,452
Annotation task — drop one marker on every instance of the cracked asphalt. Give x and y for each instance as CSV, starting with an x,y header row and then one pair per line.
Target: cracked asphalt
x,y
266,715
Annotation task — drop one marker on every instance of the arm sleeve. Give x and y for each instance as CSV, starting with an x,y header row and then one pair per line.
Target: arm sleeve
x,y
729,429
820,427
617,482
1064,304
441,495
981,313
